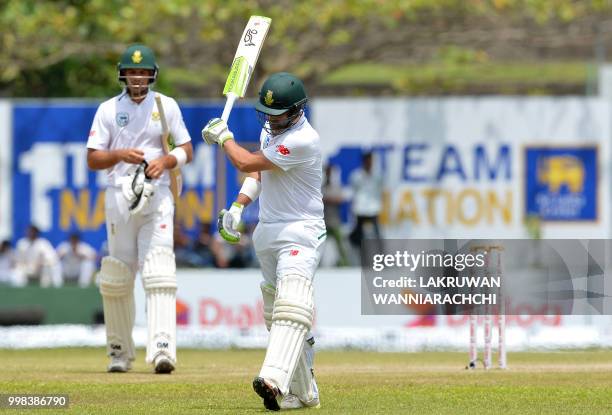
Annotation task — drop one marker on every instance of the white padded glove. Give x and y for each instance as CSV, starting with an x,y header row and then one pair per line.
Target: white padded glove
x,y
216,132
228,222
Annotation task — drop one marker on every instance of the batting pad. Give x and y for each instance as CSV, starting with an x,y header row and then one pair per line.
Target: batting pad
x,y
268,293
291,320
117,289
159,281
302,384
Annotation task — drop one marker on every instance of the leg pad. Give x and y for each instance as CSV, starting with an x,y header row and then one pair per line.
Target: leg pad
x,y
291,320
117,289
159,281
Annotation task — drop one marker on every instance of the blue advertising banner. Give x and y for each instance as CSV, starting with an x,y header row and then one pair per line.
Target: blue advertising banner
x,y
561,183
53,188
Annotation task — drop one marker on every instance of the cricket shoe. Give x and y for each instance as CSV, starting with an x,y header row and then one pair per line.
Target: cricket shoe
x,y
163,365
119,365
292,401
270,394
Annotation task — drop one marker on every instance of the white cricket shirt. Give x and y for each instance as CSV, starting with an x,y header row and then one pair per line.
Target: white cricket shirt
x,y
121,123
293,191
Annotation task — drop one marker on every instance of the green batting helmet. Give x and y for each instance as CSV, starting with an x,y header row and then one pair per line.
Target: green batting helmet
x,y
280,93
137,57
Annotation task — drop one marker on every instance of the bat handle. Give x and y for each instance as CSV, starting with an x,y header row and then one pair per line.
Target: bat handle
x,y
229,103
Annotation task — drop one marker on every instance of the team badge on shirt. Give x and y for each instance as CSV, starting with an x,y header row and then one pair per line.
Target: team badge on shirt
x,y
267,141
122,118
155,116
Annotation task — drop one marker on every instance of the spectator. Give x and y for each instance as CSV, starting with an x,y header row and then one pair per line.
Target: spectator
x,y
78,261
7,264
37,261
202,247
332,200
238,255
253,261
243,253
184,257
367,188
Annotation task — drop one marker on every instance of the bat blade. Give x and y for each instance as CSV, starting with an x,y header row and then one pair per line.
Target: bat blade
x,y
244,61
246,55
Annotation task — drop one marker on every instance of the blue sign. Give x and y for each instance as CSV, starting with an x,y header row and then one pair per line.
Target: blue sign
x,y
561,183
54,189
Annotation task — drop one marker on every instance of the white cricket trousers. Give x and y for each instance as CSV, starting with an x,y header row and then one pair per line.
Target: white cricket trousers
x,y
130,239
286,248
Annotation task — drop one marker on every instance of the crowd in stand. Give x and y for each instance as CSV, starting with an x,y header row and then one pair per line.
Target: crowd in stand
x,y
34,260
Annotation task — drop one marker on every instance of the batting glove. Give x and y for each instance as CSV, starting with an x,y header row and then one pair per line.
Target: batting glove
x,y
216,132
228,222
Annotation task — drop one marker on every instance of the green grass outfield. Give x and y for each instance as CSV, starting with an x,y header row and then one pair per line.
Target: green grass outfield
x,y
577,382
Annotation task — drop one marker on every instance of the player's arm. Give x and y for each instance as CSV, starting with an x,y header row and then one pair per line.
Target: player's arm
x,y
188,148
169,161
244,160
250,190
182,153
228,220
216,132
104,159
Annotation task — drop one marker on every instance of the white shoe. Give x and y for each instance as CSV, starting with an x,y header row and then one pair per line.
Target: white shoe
x,y
291,401
163,365
119,365
307,397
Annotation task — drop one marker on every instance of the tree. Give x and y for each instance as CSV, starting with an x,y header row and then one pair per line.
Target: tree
x,y
70,47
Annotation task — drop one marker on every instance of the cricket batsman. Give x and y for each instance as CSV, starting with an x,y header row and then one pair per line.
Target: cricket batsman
x,y
286,175
125,140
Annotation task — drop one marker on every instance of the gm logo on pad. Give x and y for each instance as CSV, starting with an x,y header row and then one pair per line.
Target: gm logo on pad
x,y
561,183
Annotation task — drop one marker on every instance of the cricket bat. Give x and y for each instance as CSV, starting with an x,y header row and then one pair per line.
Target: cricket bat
x,y
244,61
176,180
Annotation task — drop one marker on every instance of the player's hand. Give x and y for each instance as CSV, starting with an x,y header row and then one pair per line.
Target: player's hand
x,y
131,155
228,222
216,132
157,167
